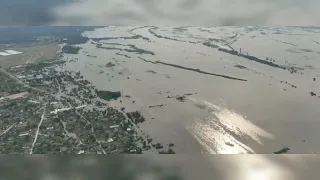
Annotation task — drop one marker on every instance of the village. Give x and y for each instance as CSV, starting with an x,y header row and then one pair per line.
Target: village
x,y
45,110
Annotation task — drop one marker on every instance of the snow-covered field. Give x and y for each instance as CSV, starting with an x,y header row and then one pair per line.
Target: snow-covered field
x,y
225,90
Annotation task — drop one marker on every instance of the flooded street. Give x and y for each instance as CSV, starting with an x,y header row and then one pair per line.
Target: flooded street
x,y
211,90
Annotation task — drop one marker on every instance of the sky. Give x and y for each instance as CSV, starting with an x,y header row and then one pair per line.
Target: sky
x,y
160,12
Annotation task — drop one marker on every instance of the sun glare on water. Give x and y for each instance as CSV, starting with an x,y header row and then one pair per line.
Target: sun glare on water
x,y
217,133
259,167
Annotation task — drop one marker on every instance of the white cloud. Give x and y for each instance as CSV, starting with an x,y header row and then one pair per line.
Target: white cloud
x,y
294,16
188,12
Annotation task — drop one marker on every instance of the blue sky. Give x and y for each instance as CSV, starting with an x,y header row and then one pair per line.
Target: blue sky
x,y
160,12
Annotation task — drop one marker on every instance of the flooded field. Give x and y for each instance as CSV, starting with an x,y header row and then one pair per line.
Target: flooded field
x,y
225,90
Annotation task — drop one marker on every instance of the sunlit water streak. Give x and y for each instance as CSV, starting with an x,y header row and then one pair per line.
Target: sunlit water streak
x,y
259,167
217,133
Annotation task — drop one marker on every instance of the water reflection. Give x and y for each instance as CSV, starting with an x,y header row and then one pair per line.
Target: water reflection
x,y
258,167
223,130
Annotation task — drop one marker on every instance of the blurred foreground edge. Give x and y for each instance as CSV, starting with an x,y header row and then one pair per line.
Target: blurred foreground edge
x,y
159,167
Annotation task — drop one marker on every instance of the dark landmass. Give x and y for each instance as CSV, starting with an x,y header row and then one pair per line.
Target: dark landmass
x,y
124,55
282,151
285,82
123,37
229,144
40,65
181,98
136,117
91,56
164,37
240,66
312,94
158,146
110,64
30,34
70,49
151,71
192,69
143,59
108,95
160,105
201,72
249,57
134,49
169,151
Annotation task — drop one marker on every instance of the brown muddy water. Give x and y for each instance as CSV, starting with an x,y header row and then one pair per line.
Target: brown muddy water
x,y
212,90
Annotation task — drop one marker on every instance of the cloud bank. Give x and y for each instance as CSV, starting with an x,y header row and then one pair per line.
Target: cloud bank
x,y
161,12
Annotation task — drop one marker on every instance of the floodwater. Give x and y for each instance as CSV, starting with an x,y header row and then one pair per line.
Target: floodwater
x,y
231,104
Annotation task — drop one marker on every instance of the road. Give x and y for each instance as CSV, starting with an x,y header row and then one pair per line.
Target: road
x,y
37,132
20,82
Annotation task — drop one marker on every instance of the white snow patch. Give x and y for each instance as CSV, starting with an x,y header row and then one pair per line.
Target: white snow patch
x,y
4,54
12,52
